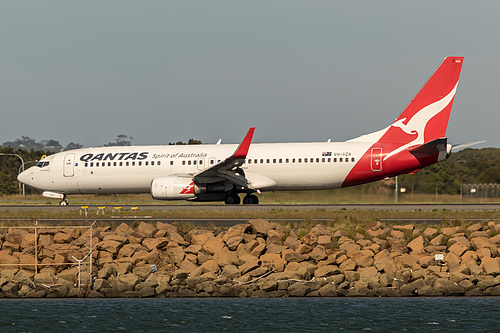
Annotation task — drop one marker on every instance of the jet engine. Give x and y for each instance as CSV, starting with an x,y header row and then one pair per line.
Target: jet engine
x,y
173,188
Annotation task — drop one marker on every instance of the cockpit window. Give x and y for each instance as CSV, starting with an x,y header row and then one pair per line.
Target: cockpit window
x,y
42,164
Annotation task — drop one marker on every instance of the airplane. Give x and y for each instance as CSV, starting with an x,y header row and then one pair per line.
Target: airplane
x,y
221,172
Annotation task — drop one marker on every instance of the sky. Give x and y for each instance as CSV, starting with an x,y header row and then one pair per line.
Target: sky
x,y
164,71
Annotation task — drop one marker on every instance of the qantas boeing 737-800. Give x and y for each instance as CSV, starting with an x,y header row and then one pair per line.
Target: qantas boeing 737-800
x,y
221,172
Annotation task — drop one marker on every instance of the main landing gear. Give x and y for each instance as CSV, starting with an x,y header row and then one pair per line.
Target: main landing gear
x,y
64,202
234,199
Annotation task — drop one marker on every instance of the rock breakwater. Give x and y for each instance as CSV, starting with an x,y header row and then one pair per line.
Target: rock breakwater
x,y
255,259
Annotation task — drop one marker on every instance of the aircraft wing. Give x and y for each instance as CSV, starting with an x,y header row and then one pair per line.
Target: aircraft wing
x,y
229,168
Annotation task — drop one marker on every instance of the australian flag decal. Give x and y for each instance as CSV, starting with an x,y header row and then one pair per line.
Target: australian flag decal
x,y
328,153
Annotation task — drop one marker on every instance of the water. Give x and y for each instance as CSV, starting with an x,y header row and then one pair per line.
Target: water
x,y
252,315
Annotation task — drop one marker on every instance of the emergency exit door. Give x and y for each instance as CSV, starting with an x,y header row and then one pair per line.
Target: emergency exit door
x,y
376,159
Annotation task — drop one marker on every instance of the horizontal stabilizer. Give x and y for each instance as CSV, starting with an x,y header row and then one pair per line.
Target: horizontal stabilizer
x,y
433,147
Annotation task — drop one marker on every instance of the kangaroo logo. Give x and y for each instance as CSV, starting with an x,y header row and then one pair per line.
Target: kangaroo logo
x,y
188,189
417,123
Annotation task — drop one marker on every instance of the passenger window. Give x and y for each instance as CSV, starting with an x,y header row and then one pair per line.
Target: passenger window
x,y
96,164
335,160
261,161
158,163
86,164
183,162
91,164
255,161
340,159
114,163
249,161
194,162
274,160
317,160
305,160
352,159
133,163
140,163
171,162
293,160
126,163
300,160
189,162
280,161
267,161
323,159
121,163
312,160
329,159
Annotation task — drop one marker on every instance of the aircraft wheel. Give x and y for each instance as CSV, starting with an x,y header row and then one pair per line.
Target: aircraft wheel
x,y
232,199
251,200
64,202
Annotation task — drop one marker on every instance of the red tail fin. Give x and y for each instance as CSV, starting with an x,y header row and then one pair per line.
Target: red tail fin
x,y
426,117
432,104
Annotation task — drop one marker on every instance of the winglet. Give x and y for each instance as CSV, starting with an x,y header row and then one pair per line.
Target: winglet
x,y
242,151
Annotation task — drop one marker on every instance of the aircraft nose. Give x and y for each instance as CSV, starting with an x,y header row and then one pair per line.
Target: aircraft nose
x,y
24,177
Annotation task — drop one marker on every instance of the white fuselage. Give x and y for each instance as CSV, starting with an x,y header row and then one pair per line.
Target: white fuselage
x,y
131,169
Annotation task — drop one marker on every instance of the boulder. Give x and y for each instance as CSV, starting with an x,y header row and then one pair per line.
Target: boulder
x,y
450,231
274,236
438,240
448,287
363,258
273,261
397,234
474,227
292,241
260,226
109,246
458,248
231,272
348,265
491,266
384,262
155,243
200,237
123,230
417,245
482,242
135,238
318,253
146,229
28,240
176,237
298,289
292,256
62,238
210,266
310,239
429,232
213,245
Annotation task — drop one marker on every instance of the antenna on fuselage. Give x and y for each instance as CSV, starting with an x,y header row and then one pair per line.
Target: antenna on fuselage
x,y
218,142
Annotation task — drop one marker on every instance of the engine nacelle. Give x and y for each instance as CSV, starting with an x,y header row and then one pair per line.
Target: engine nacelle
x,y
173,188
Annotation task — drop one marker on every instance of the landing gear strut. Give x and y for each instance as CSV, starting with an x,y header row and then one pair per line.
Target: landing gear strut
x,y
64,202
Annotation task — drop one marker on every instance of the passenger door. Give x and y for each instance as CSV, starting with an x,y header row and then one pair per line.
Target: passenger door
x,y
69,165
